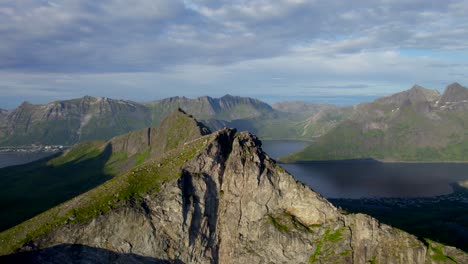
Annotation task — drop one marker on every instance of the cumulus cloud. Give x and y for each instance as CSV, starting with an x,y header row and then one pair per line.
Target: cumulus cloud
x,y
357,42
117,35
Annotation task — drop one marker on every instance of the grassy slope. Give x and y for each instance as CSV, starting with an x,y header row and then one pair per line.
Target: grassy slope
x,y
293,126
148,177
410,136
33,188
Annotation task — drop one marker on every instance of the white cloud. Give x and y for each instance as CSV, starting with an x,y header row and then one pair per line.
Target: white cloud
x,y
200,45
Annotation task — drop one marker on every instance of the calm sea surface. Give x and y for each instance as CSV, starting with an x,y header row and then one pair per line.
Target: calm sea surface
x,y
14,158
356,179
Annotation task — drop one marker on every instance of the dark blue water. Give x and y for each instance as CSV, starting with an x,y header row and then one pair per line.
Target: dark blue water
x,y
356,179
15,158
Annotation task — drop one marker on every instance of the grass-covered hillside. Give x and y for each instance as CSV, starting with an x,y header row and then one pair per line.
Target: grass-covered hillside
x,y
415,125
33,188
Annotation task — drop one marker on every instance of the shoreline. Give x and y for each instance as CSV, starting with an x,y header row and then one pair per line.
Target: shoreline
x,y
371,160
457,190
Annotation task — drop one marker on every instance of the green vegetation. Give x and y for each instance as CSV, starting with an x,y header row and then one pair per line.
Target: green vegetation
x,y
335,236
345,253
276,223
141,157
436,253
412,137
322,245
33,188
315,256
287,222
87,150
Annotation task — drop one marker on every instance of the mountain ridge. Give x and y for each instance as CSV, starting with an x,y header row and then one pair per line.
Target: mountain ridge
x,y
100,118
70,121
417,94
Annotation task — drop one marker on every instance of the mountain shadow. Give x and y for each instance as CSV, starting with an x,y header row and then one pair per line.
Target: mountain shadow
x,y
76,253
442,218
30,189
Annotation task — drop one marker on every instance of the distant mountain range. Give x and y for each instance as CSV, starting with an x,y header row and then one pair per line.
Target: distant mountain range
x,y
415,125
96,118
71,121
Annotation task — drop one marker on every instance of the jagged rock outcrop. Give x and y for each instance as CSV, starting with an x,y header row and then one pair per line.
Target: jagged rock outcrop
x,y
230,203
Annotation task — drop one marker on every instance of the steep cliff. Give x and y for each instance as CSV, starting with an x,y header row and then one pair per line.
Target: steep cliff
x,y
216,199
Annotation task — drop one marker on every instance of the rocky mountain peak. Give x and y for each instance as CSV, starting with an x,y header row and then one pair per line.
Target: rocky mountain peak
x,y
89,98
454,93
416,95
25,104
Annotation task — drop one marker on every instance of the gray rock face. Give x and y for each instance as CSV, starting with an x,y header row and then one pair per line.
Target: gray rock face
x,y
455,98
454,93
233,204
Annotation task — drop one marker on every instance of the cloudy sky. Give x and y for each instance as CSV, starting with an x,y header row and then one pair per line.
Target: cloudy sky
x,y
333,51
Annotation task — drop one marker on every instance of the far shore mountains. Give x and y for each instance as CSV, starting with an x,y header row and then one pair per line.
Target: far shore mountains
x,y
414,125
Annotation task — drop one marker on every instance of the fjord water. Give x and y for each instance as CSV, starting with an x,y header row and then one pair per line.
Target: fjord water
x,y
17,158
369,178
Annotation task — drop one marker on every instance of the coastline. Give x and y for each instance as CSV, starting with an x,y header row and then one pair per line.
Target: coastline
x,y
370,160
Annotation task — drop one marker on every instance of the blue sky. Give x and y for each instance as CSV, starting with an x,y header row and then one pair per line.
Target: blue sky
x,y
143,50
